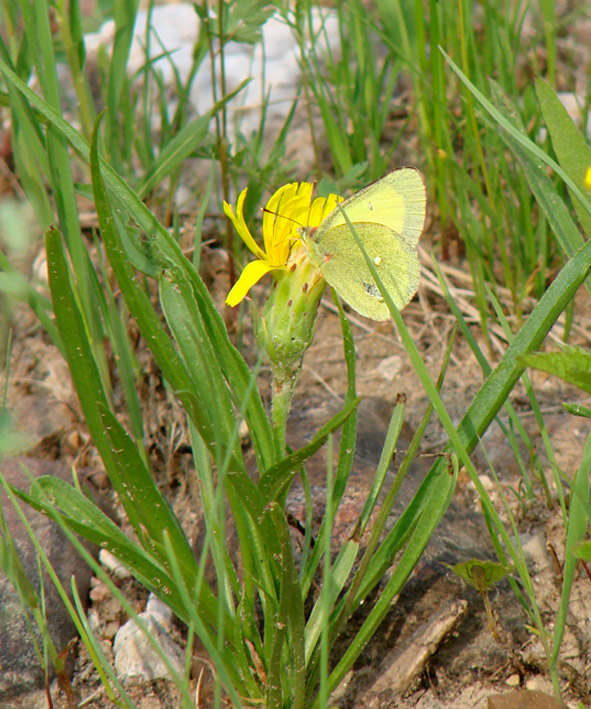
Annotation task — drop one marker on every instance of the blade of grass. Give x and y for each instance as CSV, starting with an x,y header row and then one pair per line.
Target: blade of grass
x,y
49,494
288,627
521,138
571,148
177,298
575,531
434,508
555,210
151,514
346,455
229,666
352,598
487,369
124,16
494,391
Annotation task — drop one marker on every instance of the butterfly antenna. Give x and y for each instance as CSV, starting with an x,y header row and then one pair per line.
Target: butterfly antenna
x,y
289,219
276,214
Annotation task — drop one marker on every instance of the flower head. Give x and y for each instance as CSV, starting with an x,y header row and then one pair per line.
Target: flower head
x,y
287,211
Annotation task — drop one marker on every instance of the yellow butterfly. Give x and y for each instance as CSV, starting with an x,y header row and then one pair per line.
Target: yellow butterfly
x,y
388,217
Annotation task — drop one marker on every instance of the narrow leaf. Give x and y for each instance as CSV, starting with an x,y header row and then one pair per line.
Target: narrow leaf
x,y
571,148
573,365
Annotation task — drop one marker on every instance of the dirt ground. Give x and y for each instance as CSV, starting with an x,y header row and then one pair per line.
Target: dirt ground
x,y
435,640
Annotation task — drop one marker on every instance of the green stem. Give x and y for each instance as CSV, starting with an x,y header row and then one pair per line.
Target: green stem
x,y
283,391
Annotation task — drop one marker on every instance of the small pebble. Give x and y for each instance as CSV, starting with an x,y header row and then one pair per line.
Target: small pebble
x,y
99,591
134,654
389,367
113,565
538,683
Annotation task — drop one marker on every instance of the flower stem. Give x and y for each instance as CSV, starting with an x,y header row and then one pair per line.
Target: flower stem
x,y
283,391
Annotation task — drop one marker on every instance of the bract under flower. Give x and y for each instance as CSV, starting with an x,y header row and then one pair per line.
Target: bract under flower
x,y
287,211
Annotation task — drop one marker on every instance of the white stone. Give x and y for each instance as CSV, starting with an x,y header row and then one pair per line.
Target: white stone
x,y
535,549
486,481
94,621
159,610
113,565
134,654
272,65
540,684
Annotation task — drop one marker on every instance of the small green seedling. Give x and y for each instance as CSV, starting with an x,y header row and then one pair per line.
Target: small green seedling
x,y
482,575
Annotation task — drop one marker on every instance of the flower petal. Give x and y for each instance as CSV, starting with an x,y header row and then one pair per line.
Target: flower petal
x,y
251,274
240,224
285,212
281,197
321,208
276,229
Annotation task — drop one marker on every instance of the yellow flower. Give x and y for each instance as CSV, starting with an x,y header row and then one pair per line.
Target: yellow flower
x,y
588,178
288,210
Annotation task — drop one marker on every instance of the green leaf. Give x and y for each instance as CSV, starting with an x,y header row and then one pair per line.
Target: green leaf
x,y
176,150
52,495
168,251
582,550
217,421
435,503
124,16
141,308
555,210
339,575
570,146
77,33
430,501
577,410
73,332
288,623
578,524
254,507
12,566
346,456
146,507
573,365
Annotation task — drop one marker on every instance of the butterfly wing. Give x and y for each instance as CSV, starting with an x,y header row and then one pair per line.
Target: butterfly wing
x,y
344,267
398,201
388,217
